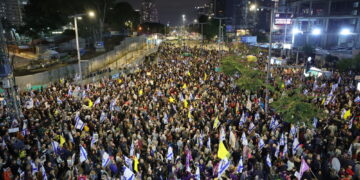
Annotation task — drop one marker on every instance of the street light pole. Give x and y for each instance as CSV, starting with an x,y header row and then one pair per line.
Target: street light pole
x,y
77,46
91,14
269,62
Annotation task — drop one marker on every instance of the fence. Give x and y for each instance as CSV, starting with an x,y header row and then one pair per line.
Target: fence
x,y
129,48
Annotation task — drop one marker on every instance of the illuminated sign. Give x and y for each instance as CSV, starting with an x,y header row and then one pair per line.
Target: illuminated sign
x,y
282,21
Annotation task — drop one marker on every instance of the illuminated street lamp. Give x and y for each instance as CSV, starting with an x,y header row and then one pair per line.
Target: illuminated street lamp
x,y
76,17
316,31
345,32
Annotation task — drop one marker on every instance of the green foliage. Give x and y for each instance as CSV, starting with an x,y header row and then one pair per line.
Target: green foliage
x,y
250,78
211,29
294,107
121,13
349,64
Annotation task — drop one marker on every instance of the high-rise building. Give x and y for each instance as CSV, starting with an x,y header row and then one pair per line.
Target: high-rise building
x,y
149,12
327,24
11,10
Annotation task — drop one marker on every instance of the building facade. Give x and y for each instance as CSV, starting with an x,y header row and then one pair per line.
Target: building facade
x,y
11,10
149,12
330,24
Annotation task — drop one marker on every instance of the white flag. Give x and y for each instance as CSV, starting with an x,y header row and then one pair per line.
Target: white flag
x,y
197,173
209,143
170,154
83,154
268,160
97,101
132,149
102,116
222,134
282,140
244,139
105,159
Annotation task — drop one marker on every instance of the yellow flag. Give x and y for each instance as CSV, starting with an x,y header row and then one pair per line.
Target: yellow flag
x,y
186,104
141,92
283,85
205,76
188,73
223,152
136,164
189,115
22,154
184,86
347,114
323,101
62,140
171,100
119,81
90,103
216,122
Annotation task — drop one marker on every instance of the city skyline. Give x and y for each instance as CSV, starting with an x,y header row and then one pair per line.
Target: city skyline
x,y
171,10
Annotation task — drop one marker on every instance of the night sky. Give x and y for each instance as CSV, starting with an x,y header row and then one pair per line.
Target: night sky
x,y
171,10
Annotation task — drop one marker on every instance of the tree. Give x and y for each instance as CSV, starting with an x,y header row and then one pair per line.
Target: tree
x,y
295,107
121,14
350,64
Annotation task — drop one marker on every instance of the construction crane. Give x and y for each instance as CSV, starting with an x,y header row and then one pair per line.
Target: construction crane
x,y
11,99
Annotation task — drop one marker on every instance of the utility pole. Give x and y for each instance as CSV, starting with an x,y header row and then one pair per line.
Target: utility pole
x,y
220,29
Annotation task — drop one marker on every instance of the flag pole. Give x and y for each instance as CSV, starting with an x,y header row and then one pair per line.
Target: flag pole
x,y
313,174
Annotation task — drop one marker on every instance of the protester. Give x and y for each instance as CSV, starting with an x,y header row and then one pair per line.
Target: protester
x,y
173,119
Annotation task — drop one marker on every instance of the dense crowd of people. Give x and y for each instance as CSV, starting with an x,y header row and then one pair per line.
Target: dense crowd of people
x,y
176,119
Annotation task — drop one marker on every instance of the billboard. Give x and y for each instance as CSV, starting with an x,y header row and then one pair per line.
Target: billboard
x,y
249,39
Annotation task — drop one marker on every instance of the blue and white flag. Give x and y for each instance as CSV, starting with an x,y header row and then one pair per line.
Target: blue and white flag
x,y
261,143
165,118
128,174
128,162
59,101
83,154
224,164
225,104
244,139
296,145
268,160
94,139
200,139
251,127
55,146
43,172
197,173
34,168
282,140
105,159
79,124
242,119
170,154
240,166
357,99
98,101
3,144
